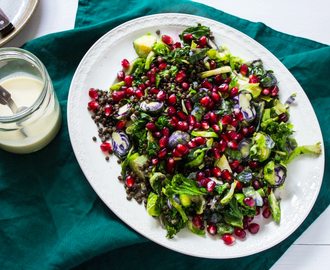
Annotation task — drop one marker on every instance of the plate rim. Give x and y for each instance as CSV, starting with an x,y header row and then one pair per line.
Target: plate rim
x,y
255,43
33,4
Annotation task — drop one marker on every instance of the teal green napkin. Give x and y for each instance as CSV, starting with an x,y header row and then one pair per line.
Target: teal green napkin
x,y
50,217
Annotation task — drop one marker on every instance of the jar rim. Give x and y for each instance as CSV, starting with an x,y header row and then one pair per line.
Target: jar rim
x,y
17,53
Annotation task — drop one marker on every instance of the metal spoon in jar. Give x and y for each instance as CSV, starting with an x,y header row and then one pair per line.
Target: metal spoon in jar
x,y
5,99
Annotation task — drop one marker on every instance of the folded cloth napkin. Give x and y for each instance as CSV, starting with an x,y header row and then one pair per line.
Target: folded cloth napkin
x,y
50,217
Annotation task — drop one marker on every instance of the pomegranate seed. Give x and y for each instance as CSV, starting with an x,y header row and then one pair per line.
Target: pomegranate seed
x,y
154,90
232,145
266,213
213,64
162,66
172,100
125,63
227,80
128,80
191,120
234,123
256,184
191,144
249,201
213,117
222,146
181,76
274,91
223,88
183,149
253,79
120,125
253,228
130,181
215,152
172,122
210,186
248,219
157,134
202,41
171,165
240,168
121,75
233,92
266,202
188,105
283,118
225,136
138,93
245,131
151,126
212,229
253,164
206,84
244,69
228,239
200,140
108,109
176,120
218,79
162,153
216,128
238,114
204,181
240,233
252,129
182,115
188,38
200,176
166,131
119,95
105,147
205,125
257,211
176,153
226,119
148,83
232,135
167,40
185,86
205,101
129,91
163,142
197,126
265,91
182,125
216,172
197,221
239,186
93,105
161,95
215,97
92,93
234,165
154,161
171,111
226,175
210,105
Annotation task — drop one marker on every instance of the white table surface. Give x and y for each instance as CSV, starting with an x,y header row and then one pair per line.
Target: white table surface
x,y
296,17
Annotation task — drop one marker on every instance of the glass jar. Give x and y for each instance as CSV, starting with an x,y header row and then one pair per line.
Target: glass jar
x,y
30,115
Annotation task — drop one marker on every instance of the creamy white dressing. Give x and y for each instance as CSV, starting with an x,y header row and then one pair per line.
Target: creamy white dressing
x,y
40,128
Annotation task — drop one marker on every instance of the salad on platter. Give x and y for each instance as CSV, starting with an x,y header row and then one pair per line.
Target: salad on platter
x,y
201,135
